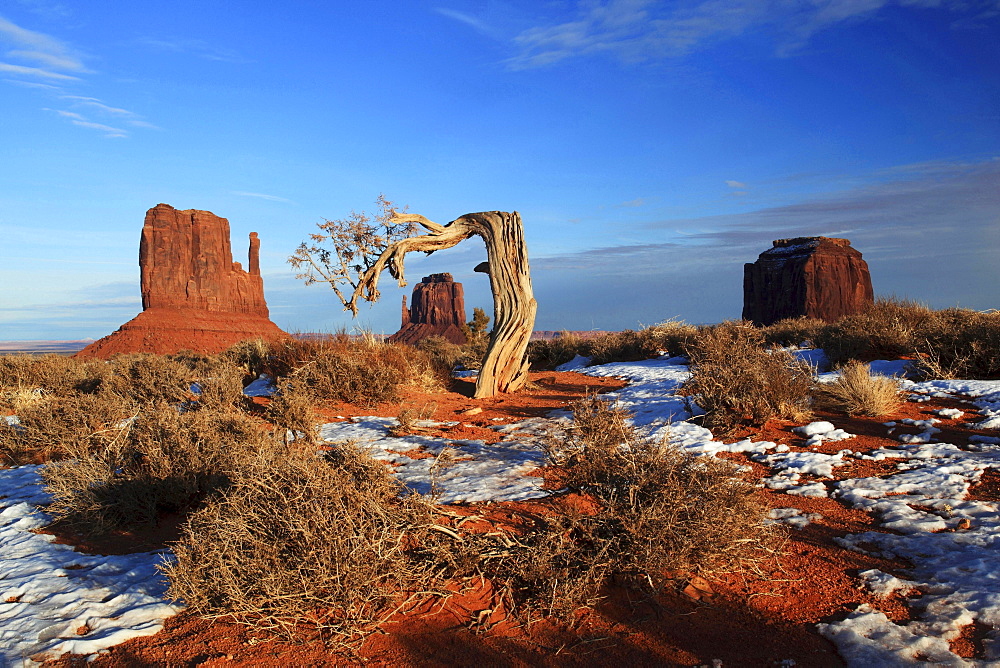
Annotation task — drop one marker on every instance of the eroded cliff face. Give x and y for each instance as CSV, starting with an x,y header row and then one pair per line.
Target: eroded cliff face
x,y
819,277
186,261
194,297
437,309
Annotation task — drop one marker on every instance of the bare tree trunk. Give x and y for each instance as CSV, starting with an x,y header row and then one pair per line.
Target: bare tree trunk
x,y
505,368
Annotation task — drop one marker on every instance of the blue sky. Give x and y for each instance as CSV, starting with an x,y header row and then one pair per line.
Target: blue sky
x,y
651,147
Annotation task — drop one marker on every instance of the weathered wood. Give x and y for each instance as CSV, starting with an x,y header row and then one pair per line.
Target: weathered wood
x,y
505,368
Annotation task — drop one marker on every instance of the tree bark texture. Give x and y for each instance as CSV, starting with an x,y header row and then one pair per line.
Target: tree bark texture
x,y
505,368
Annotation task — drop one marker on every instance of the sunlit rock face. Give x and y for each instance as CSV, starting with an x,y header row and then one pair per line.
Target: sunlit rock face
x,y
194,297
819,277
437,309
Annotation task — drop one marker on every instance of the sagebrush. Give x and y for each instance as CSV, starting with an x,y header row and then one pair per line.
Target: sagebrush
x,y
738,381
662,516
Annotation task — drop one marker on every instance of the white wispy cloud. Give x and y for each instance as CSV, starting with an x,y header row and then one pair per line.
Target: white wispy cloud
x,y
56,61
97,104
106,129
36,72
270,198
736,184
638,201
469,20
137,123
48,51
643,30
50,10
66,114
195,47
32,84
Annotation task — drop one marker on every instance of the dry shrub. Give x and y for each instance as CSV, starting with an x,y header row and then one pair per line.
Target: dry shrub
x,y
21,375
793,331
221,387
56,426
443,355
676,337
737,380
888,329
299,539
550,353
671,336
960,343
858,392
625,346
148,378
249,354
161,459
949,343
293,409
362,370
662,515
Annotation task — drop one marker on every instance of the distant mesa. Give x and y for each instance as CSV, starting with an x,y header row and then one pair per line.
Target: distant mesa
x,y
438,309
194,297
819,277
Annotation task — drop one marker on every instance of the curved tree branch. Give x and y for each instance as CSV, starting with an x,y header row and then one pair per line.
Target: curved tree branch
x,y
505,368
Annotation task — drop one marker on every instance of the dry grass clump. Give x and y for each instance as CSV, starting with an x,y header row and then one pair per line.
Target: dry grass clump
x,y
363,370
249,354
624,346
858,392
960,343
299,539
671,336
444,357
662,515
55,426
949,343
22,376
293,408
888,329
739,381
550,353
158,460
793,331
150,378
676,337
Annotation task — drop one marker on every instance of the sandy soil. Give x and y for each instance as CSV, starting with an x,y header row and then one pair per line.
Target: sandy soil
x,y
761,617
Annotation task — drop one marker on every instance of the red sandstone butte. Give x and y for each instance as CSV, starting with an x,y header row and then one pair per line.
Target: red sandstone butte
x,y
194,297
819,277
438,310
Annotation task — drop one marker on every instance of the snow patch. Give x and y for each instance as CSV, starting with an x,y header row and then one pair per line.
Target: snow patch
x,y
54,600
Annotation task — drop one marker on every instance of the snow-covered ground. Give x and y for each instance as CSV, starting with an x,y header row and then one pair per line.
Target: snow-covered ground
x,y
54,600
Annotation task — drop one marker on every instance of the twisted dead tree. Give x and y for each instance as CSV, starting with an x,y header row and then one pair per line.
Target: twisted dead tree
x,y
505,368
364,246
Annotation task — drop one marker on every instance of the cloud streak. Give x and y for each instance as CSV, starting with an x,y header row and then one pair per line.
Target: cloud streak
x,y
36,72
195,47
56,62
645,30
270,198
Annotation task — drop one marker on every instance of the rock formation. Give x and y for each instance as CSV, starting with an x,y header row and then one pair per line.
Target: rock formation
x,y
437,309
819,277
194,297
